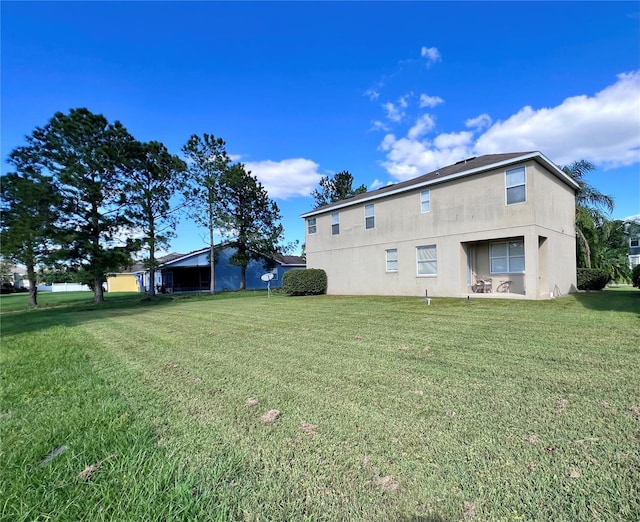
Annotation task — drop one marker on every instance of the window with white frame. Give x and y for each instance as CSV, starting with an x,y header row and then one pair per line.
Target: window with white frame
x,y
369,216
507,257
427,260
425,201
634,243
335,223
516,185
311,226
392,259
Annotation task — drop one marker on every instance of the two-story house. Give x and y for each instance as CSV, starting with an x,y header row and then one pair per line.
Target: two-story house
x,y
634,251
500,223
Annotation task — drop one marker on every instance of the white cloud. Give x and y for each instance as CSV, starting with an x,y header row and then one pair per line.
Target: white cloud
x,y
387,142
393,112
430,101
453,140
407,158
372,94
479,122
397,111
286,178
604,129
431,54
423,124
379,125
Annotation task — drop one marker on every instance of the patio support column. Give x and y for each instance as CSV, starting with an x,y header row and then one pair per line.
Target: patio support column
x,y
465,267
531,263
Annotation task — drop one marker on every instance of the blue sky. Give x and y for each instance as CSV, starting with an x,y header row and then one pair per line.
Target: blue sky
x,y
385,90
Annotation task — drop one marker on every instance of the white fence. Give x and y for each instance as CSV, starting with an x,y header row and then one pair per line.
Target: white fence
x,y
69,287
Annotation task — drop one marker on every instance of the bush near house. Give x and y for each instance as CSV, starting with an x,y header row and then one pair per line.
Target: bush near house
x,y
312,281
635,276
592,279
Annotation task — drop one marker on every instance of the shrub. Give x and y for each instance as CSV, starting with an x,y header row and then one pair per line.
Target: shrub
x,y
592,279
312,281
635,276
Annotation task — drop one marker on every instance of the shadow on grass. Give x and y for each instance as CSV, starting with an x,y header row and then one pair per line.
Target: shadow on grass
x,y
614,300
71,313
80,309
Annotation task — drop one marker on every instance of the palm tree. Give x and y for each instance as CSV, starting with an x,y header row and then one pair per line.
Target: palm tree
x,y
590,205
610,250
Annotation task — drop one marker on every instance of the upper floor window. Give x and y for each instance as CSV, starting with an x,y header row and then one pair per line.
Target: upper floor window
x,y
427,260
425,201
369,216
335,223
311,226
507,258
392,259
634,243
516,185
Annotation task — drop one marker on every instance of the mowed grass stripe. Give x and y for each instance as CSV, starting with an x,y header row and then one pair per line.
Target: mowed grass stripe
x,y
509,412
284,350
54,401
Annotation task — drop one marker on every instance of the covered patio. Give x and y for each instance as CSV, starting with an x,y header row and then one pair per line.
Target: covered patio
x,y
496,267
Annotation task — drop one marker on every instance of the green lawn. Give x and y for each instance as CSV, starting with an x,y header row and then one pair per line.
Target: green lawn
x,y
390,409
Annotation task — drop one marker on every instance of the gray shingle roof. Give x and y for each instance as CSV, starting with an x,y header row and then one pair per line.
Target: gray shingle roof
x,y
283,260
471,165
291,260
140,267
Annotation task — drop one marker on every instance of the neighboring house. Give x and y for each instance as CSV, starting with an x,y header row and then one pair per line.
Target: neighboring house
x,y
13,277
503,223
135,278
127,280
634,252
19,273
191,272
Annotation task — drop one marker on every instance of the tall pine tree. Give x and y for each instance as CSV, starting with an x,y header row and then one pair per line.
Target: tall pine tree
x,y
27,213
208,161
89,160
336,188
250,218
155,178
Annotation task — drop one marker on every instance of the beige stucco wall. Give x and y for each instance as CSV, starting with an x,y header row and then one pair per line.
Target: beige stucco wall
x,y
465,214
555,218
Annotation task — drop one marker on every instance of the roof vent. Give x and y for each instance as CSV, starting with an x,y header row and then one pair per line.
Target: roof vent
x,y
465,160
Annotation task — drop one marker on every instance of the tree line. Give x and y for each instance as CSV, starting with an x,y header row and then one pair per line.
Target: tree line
x,y
83,192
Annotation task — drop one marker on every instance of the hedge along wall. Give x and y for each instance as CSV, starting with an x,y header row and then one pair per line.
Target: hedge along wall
x,y
592,279
312,281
